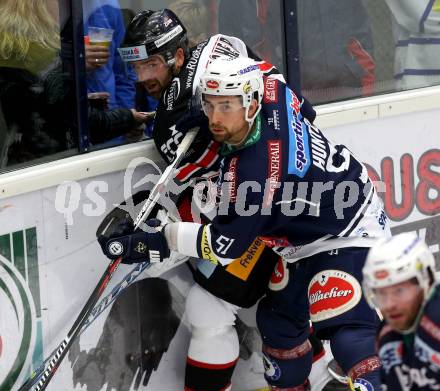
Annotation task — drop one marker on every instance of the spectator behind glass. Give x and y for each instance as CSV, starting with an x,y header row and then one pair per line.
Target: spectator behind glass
x,y
256,22
106,71
35,120
416,27
27,43
36,95
194,15
335,50
335,43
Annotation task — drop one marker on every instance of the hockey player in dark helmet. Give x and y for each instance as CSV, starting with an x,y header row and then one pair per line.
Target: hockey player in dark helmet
x,y
157,45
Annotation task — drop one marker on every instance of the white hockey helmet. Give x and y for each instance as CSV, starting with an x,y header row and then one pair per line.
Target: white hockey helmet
x,y
238,77
395,260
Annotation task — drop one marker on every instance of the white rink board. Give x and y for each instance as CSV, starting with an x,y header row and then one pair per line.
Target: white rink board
x,y
70,263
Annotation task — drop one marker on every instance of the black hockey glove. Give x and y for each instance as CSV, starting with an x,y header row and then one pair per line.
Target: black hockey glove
x,y
137,246
194,117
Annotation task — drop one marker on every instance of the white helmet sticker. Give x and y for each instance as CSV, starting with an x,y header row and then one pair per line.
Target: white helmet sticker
x,y
168,36
133,53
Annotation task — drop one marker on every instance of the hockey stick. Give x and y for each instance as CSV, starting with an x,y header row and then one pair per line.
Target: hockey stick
x,y
162,184
44,374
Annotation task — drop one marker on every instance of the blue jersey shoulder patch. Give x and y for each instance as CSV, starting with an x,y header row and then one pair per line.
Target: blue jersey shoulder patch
x,y
299,149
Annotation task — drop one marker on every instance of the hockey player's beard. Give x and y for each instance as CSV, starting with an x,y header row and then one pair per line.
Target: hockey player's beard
x,y
219,133
226,135
154,88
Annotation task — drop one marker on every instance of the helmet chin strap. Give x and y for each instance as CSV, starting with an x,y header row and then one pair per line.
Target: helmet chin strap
x,y
250,122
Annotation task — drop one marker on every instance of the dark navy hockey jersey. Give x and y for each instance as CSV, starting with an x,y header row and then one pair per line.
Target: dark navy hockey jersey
x,y
293,188
412,362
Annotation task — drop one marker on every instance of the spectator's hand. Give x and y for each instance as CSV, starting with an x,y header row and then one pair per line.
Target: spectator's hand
x,y
142,117
96,56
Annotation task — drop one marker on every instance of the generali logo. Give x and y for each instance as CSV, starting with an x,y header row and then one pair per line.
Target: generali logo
x,y
331,293
274,168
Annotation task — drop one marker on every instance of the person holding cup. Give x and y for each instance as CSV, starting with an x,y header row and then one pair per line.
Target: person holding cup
x,y
96,48
104,31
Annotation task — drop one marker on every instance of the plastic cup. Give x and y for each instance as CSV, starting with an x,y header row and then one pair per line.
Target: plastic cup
x,y
100,36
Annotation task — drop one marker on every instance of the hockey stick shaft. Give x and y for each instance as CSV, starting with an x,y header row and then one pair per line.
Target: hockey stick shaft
x,y
167,175
63,347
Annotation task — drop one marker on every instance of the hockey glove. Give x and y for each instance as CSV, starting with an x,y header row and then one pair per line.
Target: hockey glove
x,y
137,246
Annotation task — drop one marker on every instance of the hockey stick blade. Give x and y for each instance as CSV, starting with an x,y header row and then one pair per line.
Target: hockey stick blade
x,y
42,376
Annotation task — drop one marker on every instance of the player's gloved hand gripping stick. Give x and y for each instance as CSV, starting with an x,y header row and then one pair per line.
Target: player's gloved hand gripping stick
x,y
41,377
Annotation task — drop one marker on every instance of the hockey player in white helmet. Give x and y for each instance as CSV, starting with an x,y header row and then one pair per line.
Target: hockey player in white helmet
x,y
267,150
399,280
156,46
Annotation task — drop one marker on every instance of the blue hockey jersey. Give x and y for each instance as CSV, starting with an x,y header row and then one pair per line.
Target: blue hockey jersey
x,y
412,362
289,186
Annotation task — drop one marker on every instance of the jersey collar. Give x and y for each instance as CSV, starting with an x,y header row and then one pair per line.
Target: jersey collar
x,y
251,139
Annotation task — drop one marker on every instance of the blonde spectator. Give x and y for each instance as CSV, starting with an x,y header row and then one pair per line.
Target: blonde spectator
x,y
195,17
29,34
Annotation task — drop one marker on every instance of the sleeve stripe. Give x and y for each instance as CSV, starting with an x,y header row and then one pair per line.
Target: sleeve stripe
x,y
208,158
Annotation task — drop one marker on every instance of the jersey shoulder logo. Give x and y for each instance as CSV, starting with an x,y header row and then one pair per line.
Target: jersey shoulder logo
x,y
299,149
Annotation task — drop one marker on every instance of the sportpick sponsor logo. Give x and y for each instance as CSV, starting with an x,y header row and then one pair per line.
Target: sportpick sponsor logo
x,y
331,293
299,150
